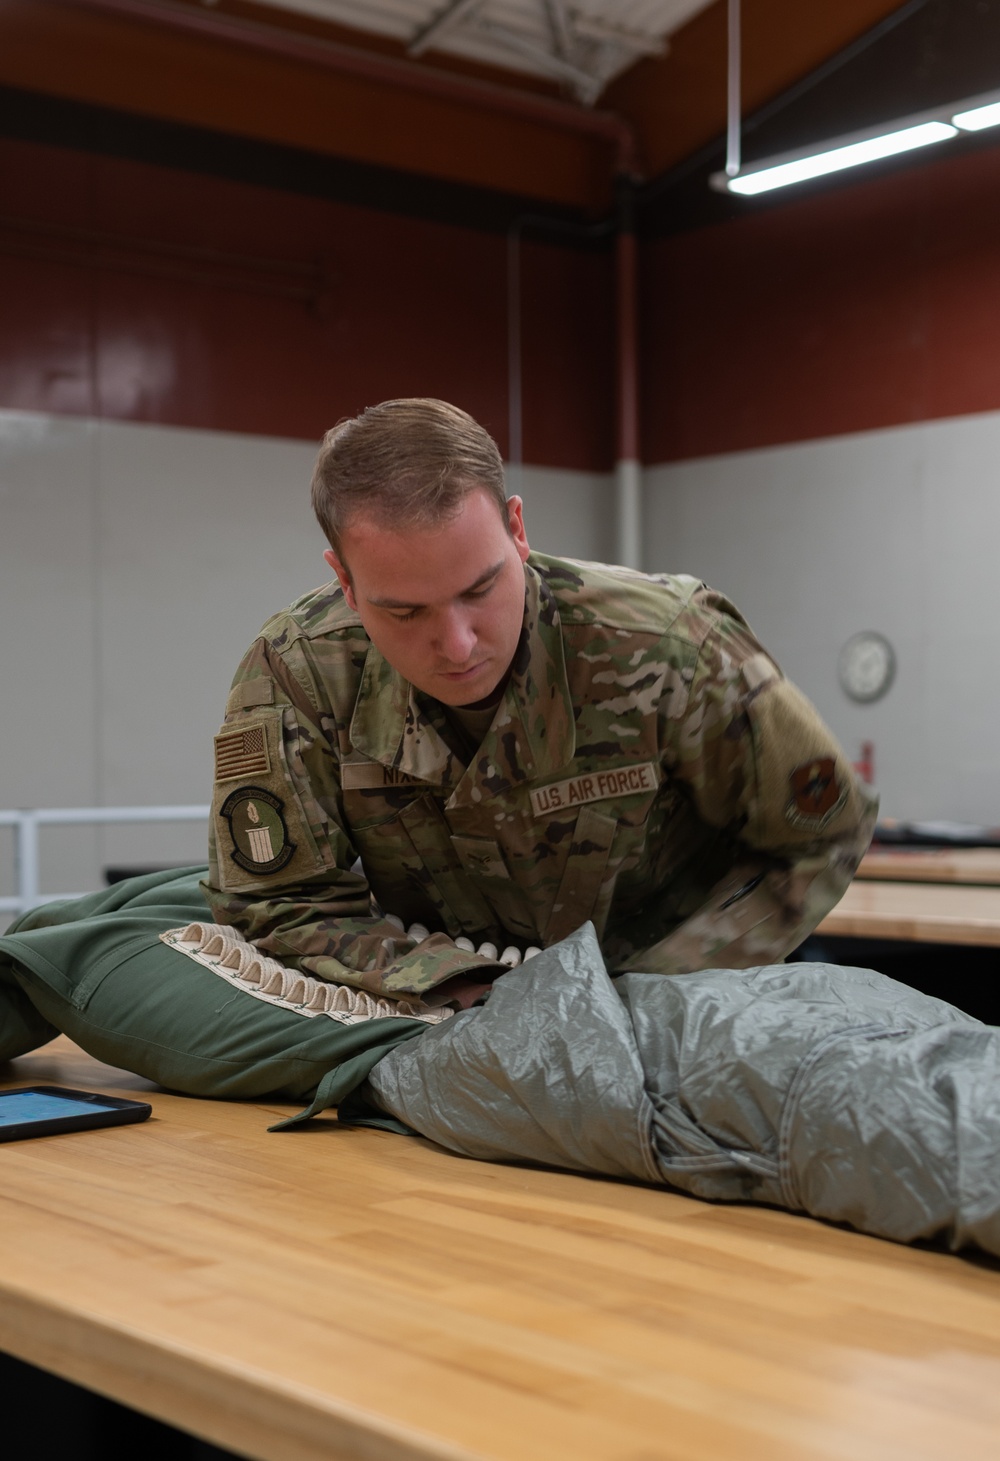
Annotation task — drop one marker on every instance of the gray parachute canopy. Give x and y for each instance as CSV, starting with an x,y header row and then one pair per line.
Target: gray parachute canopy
x,y
832,1091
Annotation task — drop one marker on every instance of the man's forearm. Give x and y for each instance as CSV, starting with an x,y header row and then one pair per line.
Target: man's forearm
x,y
329,930
760,912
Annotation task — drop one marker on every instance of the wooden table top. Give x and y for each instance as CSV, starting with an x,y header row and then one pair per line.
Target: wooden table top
x,y
932,865
331,1294
936,913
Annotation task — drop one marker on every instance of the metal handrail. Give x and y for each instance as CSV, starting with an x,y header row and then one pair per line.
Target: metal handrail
x,y
26,824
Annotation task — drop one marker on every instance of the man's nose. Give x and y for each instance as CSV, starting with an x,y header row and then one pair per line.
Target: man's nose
x,y
456,637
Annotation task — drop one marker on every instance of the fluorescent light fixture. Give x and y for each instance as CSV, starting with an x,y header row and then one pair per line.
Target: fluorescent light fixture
x,y
978,118
763,180
905,135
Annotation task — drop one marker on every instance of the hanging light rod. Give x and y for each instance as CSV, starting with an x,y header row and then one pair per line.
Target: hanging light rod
x,y
909,133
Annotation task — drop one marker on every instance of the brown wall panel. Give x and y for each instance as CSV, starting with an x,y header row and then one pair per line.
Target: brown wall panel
x,y
152,71
865,305
569,357
146,301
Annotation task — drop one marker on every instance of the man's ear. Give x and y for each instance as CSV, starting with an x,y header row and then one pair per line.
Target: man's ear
x,y
334,562
515,521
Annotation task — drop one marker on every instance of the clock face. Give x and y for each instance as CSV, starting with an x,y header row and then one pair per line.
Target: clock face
x,y
867,666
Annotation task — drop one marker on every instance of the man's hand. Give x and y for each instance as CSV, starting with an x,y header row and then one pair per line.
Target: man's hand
x,y
464,990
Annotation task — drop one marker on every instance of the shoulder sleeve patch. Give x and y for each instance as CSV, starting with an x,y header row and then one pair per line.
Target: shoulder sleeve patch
x,y
241,753
816,793
804,784
257,830
265,815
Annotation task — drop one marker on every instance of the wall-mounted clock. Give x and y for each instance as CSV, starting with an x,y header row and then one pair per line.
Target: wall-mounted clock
x,y
867,666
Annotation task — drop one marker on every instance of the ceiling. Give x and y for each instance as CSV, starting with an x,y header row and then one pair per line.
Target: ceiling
x,y
365,84
582,44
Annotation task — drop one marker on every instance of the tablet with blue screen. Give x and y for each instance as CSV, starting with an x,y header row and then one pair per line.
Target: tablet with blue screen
x,y
48,1110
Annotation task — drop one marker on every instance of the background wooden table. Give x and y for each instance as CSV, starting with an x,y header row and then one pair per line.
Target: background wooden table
x,y
948,913
932,865
330,1294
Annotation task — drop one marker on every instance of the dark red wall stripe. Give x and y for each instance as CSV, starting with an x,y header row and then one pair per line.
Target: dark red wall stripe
x,y
119,301
150,293
873,303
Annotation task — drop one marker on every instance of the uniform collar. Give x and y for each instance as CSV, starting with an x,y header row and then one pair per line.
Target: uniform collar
x,y
533,733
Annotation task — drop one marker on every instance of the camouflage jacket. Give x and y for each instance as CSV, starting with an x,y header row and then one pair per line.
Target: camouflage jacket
x,y
648,768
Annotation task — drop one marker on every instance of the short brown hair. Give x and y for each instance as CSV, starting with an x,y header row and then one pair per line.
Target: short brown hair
x,y
407,463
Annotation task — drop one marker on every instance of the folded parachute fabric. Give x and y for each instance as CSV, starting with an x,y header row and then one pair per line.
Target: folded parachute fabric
x,y
98,970
831,1091
827,1090
227,953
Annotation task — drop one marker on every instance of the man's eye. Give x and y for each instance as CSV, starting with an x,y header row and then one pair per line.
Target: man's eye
x,y
402,618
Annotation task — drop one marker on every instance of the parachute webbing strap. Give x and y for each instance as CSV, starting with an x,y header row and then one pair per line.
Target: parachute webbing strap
x,y
228,954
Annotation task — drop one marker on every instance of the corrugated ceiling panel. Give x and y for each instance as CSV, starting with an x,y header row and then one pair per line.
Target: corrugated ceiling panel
x,y
584,44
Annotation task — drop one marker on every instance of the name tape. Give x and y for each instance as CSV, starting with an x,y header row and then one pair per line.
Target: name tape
x,y
370,775
597,787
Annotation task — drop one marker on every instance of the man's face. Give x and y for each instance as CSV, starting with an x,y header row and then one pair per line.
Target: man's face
x,y
444,604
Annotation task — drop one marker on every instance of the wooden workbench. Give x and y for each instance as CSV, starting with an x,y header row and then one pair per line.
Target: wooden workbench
x,y
971,865
330,1294
923,912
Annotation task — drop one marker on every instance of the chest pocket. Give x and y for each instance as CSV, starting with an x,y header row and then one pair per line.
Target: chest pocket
x,y
434,867
486,865
585,889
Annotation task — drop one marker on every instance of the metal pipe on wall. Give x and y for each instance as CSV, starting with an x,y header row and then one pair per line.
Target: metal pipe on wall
x,y
627,508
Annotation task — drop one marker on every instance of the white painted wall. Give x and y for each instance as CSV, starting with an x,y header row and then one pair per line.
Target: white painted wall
x,y
895,530
136,565
137,562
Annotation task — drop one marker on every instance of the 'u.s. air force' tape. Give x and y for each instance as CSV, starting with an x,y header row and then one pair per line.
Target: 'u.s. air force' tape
x,y
596,786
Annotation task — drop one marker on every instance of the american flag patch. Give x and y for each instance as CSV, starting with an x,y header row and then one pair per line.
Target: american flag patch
x,y
241,753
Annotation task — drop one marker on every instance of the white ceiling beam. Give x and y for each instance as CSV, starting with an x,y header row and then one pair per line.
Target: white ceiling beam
x,y
594,29
446,20
560,28
587,86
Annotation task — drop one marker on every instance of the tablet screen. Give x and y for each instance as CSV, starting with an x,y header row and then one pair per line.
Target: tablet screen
x,y
37,1106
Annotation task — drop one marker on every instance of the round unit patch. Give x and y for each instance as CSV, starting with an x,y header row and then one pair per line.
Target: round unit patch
x,y
816,793
258,831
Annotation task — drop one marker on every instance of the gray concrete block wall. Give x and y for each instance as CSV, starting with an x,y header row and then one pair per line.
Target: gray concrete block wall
x,y
895,530
136,565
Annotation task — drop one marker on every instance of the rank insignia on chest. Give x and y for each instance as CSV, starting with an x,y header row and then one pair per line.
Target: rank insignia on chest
x,y
258,831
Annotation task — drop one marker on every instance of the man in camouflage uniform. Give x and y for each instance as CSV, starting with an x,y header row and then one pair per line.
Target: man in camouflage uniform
x,y
500,745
